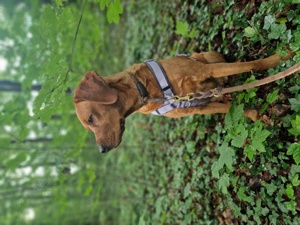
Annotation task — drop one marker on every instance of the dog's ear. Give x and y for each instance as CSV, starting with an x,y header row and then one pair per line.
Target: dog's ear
x,y
94,88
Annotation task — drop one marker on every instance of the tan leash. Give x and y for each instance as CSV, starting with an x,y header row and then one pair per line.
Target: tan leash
x,y
264,81
221,91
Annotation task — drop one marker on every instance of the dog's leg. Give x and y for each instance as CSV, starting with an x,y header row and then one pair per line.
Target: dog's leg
x,y
208,57
211,108
227,69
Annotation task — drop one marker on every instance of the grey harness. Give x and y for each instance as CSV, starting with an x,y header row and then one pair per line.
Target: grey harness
x,y
166,88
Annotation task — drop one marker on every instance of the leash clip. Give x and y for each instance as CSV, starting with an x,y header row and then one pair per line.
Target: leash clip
x,y
188,97
216,92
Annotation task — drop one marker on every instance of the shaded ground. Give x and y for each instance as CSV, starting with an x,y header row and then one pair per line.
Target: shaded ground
x,y
182,153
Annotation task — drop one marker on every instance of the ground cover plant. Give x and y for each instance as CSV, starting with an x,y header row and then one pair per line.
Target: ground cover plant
x,y
226,169
214,169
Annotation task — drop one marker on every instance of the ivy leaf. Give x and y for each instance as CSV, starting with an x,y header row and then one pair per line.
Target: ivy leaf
x,y
271,188
240,136
291,205
295,103
226,156
241,193
249,32
269,20
295,180
242,196
294,150
190,146
187,190
224,183
234,115
290,191
272,97
259,137
215,167
281,20
249,151
276,30
258,146
295,46
295,130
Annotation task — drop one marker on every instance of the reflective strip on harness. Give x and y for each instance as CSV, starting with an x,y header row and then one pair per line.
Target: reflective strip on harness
x,y
165,86
161,77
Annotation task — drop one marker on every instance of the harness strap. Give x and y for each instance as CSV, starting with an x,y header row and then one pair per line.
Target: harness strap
x,y
201,98
161,77
166,88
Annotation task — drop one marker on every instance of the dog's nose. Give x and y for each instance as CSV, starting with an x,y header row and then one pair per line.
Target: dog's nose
x,y
104,149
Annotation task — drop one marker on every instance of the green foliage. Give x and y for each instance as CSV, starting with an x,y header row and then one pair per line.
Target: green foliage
x,y
276,30
16,161
224,183
182,28
295,130
268,21
295,103
60,2
258,137
294,150
114,9
250,32
273,96
194,170
226,158
248,95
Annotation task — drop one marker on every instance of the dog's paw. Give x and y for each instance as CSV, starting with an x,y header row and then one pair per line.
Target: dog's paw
x,y
267,120
252,114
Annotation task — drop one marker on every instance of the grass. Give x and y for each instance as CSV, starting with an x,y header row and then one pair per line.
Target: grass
x,y
219,169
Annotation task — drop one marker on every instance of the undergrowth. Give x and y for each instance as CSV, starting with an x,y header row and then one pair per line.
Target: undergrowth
x,y
213,169
219,169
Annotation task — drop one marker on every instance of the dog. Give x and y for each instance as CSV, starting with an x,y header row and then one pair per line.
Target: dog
x,y
103,103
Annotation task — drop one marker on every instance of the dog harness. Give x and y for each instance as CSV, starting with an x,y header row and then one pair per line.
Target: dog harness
x,y
166,88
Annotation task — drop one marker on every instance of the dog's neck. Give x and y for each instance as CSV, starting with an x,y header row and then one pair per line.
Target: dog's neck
x,y
141,88
129,94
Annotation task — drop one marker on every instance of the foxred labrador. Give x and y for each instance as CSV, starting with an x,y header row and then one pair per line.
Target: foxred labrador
x,y
102,104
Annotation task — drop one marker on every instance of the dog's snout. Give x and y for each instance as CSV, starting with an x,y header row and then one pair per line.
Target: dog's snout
x,y
104,149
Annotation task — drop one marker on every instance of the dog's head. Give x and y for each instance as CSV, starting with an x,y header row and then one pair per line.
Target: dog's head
x,y
98,110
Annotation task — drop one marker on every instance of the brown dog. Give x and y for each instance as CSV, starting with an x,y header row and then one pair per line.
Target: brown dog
x,y
102,104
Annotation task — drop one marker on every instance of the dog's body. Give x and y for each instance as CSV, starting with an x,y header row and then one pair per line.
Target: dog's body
x,y
102,104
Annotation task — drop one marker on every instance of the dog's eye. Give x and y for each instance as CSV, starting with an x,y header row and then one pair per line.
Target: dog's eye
x,y
91,120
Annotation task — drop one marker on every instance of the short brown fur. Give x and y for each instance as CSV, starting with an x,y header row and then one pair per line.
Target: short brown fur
x,y
102,104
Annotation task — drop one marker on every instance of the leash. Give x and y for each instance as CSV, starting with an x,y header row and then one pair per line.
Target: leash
x,y
216,92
